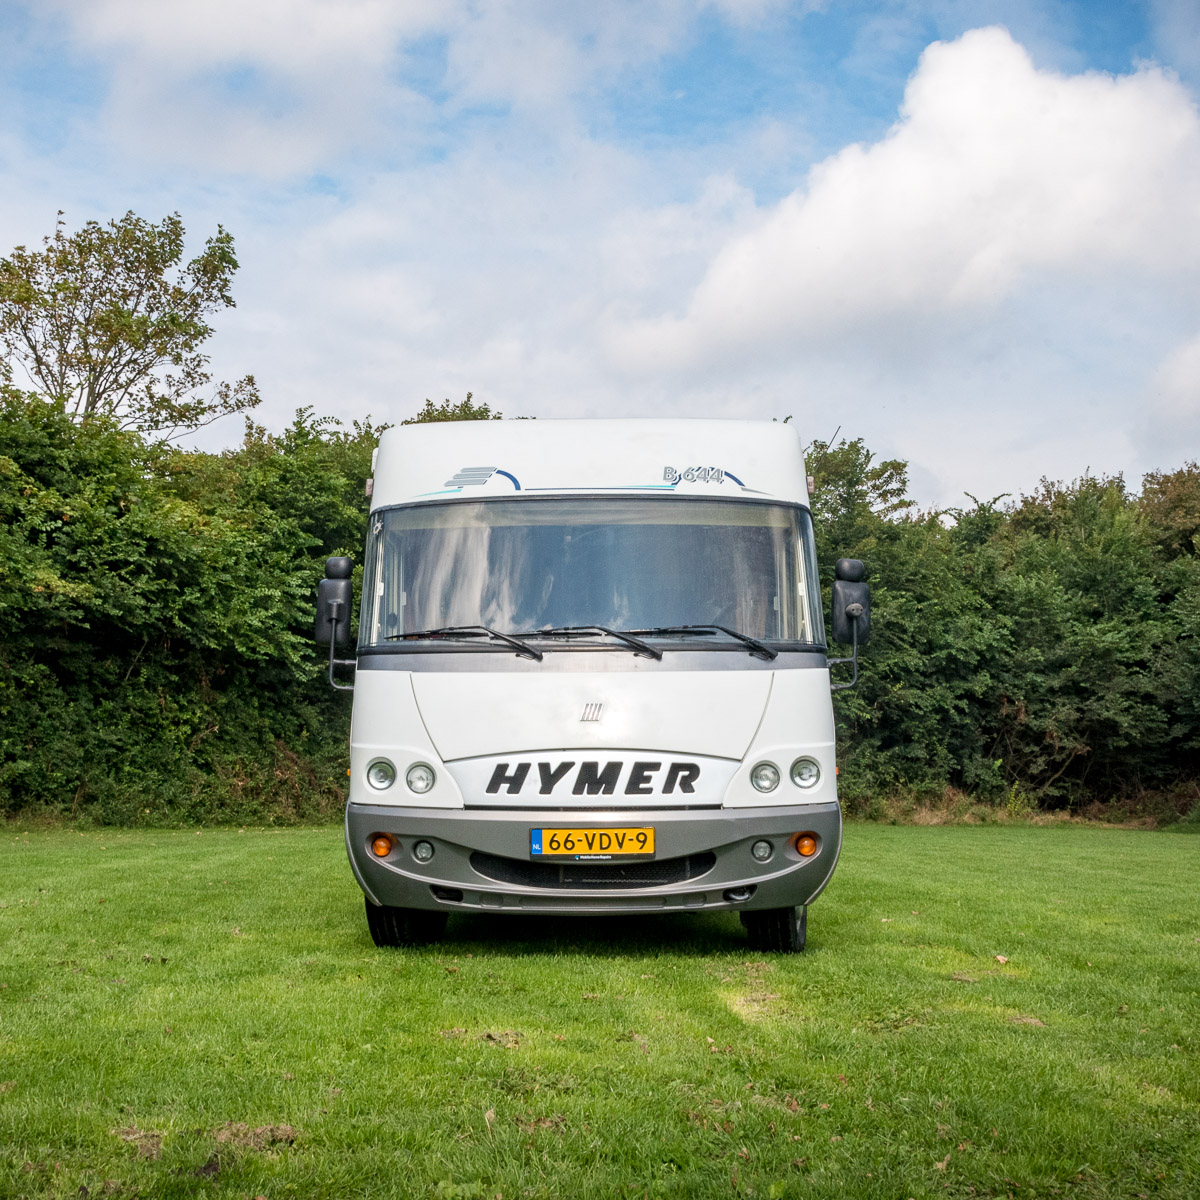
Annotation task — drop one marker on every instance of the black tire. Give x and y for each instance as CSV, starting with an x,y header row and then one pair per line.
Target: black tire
x,y
777,930
403,926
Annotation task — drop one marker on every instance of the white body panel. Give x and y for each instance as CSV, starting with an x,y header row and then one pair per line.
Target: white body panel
x,y
480,459
737,719
689,712
387,725
798,720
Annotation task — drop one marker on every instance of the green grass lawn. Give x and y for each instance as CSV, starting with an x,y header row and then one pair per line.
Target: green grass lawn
x,y
981,1012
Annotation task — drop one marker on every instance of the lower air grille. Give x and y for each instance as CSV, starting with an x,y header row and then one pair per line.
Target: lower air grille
x,y
592,875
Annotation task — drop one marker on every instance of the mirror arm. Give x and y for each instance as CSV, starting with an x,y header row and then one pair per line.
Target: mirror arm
x,y
834,662
340,662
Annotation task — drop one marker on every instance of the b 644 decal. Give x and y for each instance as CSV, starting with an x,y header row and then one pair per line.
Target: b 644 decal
x,y
694,475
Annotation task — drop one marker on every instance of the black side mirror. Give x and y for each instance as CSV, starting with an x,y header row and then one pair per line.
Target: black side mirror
x,y
335,597
851,602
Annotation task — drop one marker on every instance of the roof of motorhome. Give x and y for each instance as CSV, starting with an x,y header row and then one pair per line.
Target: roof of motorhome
x,y
727,459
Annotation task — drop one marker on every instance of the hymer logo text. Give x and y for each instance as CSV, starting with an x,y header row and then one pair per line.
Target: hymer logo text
x,y
592,779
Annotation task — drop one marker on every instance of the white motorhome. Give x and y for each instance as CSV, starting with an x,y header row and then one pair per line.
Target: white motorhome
x,y
591,676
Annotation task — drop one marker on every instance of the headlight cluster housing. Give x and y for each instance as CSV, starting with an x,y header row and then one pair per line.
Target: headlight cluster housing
x,y
381,774
765,777
420,777
805,773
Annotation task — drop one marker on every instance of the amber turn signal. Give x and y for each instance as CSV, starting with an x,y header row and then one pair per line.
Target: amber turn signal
x,y
381,845
806,845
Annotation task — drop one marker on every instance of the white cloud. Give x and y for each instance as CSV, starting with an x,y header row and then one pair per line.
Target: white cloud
x,y
266,87
283,87
1170,424
1176,32
989,290
997,174
290,36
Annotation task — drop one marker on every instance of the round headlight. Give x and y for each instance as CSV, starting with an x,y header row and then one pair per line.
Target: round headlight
x,y
381,774
762,850
765,777
419,778
806,772
423,851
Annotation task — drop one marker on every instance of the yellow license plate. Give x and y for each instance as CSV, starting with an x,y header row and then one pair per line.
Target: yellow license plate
x,y
592,845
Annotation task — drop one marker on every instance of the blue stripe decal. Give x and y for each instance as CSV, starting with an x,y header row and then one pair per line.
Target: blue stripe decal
x,y
623,487
620,487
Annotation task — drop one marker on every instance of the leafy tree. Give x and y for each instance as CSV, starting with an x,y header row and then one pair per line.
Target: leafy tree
x,y
1170,503
1082,692
105,322
464,410
854,497
156,657
1047,648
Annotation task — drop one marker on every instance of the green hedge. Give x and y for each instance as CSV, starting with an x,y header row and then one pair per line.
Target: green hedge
x,y
156,658
1044,653
156,662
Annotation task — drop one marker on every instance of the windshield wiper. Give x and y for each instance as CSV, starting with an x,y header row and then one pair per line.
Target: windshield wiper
x,y
465,631
635,644
756,647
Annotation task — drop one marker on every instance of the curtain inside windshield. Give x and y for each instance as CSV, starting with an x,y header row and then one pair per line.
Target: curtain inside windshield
x,y
522,565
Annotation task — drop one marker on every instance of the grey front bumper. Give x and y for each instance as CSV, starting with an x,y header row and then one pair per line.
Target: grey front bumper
x,y
450,881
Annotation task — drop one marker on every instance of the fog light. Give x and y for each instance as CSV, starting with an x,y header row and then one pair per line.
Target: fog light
x,y
806,845
381,845
765,777
423,851
762,850
420,778
806,772
381,774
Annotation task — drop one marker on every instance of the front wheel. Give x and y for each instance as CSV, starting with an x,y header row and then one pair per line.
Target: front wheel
x,y
777,930
403,926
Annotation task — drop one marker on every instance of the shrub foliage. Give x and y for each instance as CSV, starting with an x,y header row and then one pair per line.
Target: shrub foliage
x,y
156,662
1044,652
155,618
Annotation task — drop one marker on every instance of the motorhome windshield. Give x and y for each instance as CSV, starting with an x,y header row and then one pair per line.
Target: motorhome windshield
x,y
523,565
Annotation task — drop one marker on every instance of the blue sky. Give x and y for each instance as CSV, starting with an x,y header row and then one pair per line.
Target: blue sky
x,y
962,230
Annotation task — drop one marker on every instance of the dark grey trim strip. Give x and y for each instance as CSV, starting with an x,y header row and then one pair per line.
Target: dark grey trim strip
x,y
646,808
783,815
599,659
